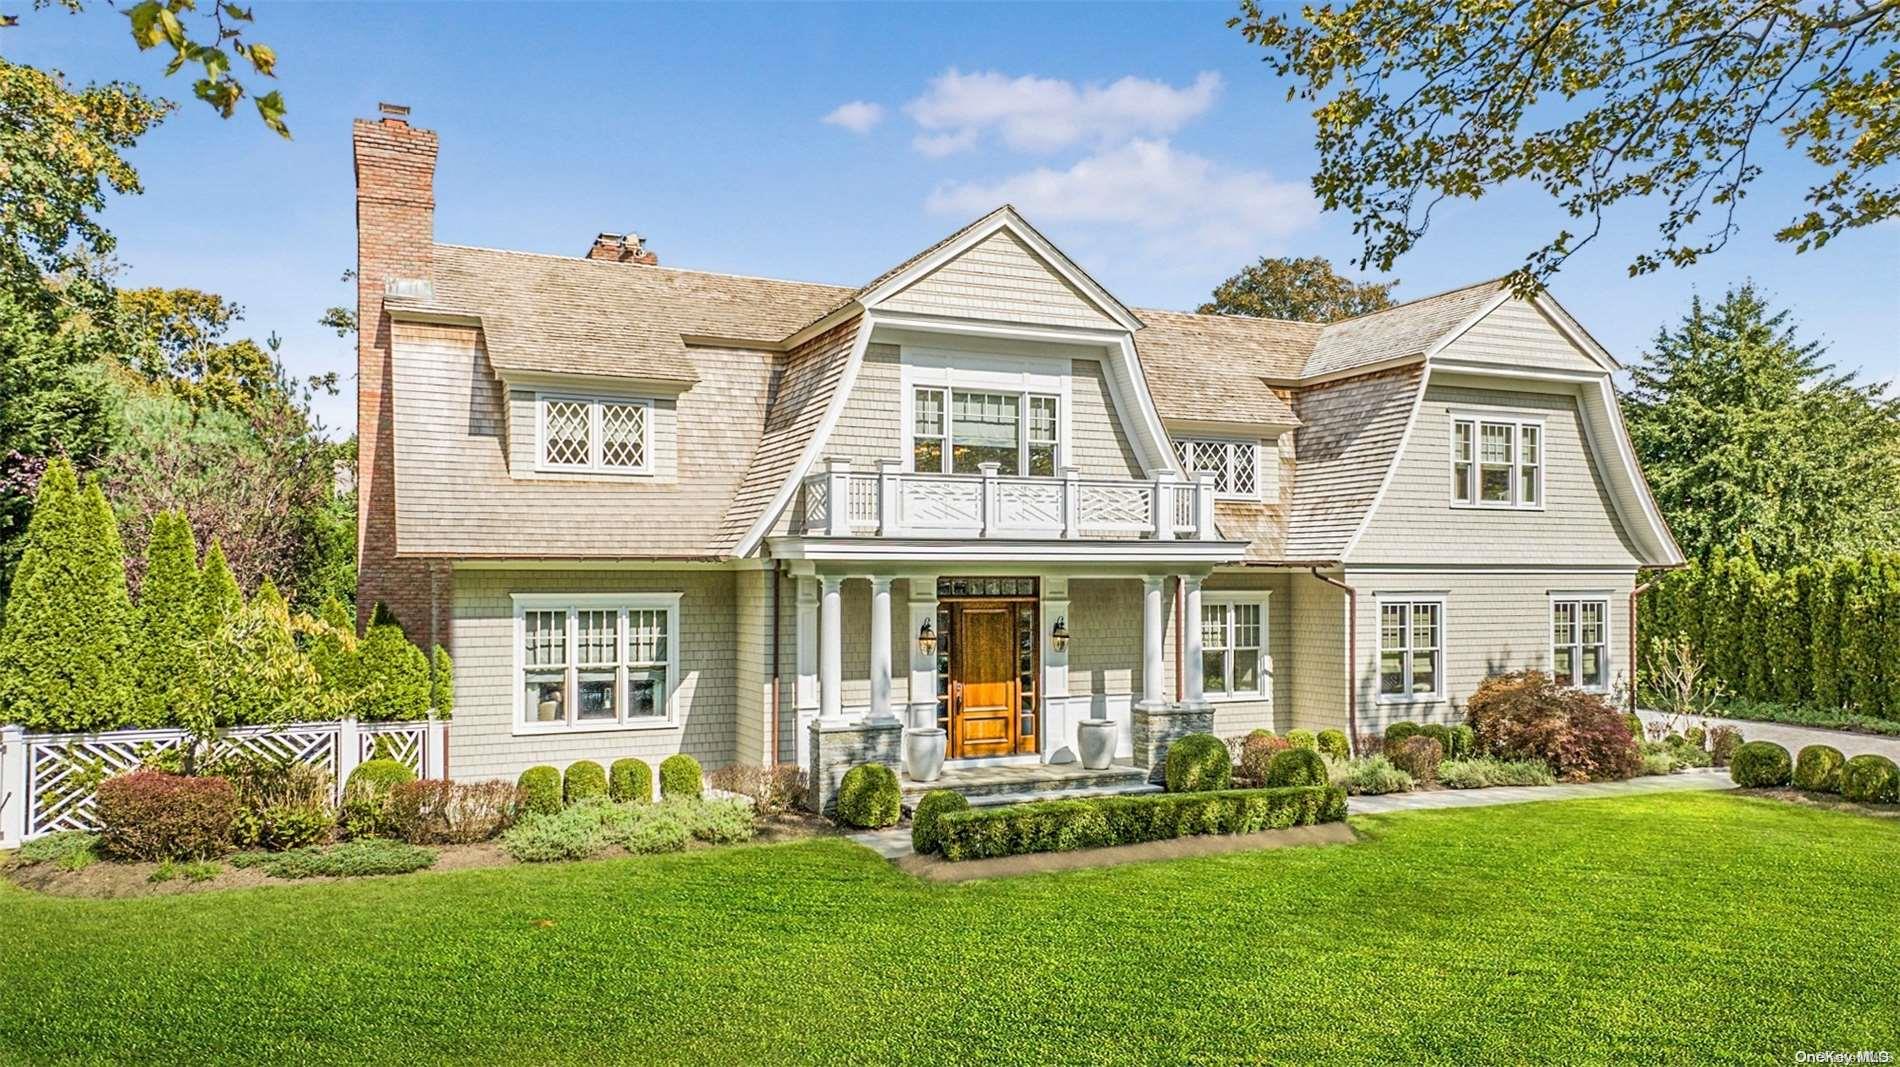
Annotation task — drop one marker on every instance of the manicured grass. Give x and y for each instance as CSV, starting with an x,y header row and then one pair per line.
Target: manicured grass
x,y
1689,927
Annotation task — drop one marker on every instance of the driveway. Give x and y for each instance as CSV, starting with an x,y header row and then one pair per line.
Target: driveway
x,y
1792,738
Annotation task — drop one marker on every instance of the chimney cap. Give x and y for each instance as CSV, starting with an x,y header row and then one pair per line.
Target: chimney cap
x,y
394,111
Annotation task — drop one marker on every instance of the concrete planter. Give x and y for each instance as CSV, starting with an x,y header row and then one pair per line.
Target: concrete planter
x,y
1096,739
923,754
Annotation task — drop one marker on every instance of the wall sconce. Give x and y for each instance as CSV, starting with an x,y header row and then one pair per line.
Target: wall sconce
x,y
927,639
1059,637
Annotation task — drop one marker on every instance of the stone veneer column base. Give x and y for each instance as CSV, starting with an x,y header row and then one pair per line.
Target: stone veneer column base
x,y
1156,726
836,747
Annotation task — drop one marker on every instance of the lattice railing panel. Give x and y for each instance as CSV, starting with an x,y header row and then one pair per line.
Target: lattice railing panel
x,y
1029,505
314,744
817,511
1106,506
63,773
404,742
928,502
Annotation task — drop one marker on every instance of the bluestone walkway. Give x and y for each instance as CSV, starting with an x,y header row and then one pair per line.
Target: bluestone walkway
x,y
1682,782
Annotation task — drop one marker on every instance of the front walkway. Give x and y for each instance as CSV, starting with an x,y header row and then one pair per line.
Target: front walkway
x,y
1792,738
1684,782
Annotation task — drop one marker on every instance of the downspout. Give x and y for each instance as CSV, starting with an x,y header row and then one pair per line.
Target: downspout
x,y
1634,647
1352,659
775,666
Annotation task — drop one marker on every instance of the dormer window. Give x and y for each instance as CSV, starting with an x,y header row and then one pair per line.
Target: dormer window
x,y
594,435
1236,464
1497,463
956,431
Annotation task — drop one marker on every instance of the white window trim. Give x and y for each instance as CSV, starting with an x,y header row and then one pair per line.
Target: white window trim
x,y
923,367
1379,602
1265,692
1608,599
571,603
593,464
1217,439
1022,395
1517,424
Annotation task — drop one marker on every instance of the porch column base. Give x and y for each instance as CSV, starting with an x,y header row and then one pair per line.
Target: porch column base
x,y
836,747
1158,724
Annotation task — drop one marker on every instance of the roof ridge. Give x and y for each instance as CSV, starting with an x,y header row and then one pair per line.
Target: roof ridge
x,y
1497,280
642,266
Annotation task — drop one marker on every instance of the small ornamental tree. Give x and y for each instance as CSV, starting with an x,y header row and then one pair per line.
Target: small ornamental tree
x,y
164,653
222,600
255,673
395,676
63,662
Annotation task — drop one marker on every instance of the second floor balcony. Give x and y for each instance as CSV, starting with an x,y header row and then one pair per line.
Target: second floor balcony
x,y
884,501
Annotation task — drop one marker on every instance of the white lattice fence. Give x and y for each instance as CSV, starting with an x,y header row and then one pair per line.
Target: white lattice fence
x,y
47,781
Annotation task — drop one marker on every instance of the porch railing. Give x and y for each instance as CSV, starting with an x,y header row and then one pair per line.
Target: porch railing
x,y
887,502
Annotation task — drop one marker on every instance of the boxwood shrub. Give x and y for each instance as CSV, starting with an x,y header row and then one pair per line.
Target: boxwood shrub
x,y
680,777
1871,779
1818,769
1761,765
584,780
1333,743
1068,825
869,798
1296,766
365,811
630,780
540,790
1461,743
925,836
1399,731
1302,739
1198,763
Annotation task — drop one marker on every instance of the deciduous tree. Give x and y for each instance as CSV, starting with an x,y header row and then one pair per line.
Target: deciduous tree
x,y
1304,290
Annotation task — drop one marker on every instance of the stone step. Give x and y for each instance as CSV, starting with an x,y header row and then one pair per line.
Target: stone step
x,y
1032,782
997,800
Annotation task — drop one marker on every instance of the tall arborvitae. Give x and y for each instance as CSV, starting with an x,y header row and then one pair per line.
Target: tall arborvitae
x,y
171,604
221,598
1824,634
1763,595
1863,632
63,662
395,676
1789,634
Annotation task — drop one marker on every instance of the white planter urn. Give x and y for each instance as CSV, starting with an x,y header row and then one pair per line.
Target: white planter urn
x,y
923,753
1096,740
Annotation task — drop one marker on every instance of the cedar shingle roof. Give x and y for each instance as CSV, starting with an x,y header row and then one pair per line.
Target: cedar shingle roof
x,y
1178,352
1397,332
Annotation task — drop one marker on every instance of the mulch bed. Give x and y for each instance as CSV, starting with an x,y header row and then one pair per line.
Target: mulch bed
x,y
1824,800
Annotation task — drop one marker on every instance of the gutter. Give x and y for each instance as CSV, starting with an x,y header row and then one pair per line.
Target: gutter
x,y
1352,659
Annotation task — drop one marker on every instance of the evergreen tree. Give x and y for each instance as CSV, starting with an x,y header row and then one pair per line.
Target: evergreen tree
x,y
441,683
221,596
1791,637
1830,588
63,662
1746,436
1762,595
395,676
164,653
1865,632
255,673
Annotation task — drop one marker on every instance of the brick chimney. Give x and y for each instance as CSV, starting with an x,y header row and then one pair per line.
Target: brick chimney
x,y
622,248
395,245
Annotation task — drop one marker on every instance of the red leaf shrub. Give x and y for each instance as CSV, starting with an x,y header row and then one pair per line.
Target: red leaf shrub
x,y
1527,715
152,815
1257,751
1418,756
439,812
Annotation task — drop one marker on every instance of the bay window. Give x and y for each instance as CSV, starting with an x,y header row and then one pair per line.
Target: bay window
x,y
1497,463
1411,649
595,661
1234,663
956,431
1580,642
1235,464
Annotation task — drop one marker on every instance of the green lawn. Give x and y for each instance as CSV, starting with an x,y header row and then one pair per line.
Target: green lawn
x,y
1687,927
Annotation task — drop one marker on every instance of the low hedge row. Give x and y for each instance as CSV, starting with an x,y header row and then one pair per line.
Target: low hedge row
x,y
1867,778
1099,822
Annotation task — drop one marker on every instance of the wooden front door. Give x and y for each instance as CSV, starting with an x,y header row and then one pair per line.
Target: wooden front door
x,y
983,716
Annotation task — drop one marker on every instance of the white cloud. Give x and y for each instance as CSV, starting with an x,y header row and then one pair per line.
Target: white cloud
x,y
858,116
1179,204
1033,114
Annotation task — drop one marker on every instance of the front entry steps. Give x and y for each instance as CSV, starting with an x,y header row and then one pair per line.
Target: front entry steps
x,y
993,786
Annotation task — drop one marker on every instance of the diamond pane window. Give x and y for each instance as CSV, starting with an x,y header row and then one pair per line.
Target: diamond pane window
x,y
564,433
1235,464
623,435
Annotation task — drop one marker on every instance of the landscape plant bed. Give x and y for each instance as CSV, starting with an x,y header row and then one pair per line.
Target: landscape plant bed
x,y
938,869
1103,822
1827,801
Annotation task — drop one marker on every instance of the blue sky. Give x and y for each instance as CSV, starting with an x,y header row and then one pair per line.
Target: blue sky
x,y
1148,141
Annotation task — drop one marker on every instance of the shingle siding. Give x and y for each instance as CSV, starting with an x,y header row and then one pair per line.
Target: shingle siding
x,y
1000,278
1518,334
1318,654
1352,430
1100,444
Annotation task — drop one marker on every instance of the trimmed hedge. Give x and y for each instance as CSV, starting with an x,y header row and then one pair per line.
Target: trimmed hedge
x,y
1100,822
869,798
680,777
926,835
1818,769
1296,766
152,815
630,780
1333,743
540,790
584,780
365,809
1871,779
1761,765
1198,763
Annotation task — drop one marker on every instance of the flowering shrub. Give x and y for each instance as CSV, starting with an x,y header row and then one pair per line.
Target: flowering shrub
x,y
1527,715
152,815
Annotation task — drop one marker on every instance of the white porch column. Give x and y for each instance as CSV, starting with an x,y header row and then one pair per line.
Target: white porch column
x,y
830,648
805,685
1151,641
922,710
880,650
1058,721
1190,666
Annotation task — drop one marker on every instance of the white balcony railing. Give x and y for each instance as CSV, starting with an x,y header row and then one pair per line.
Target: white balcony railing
x,y
842,502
